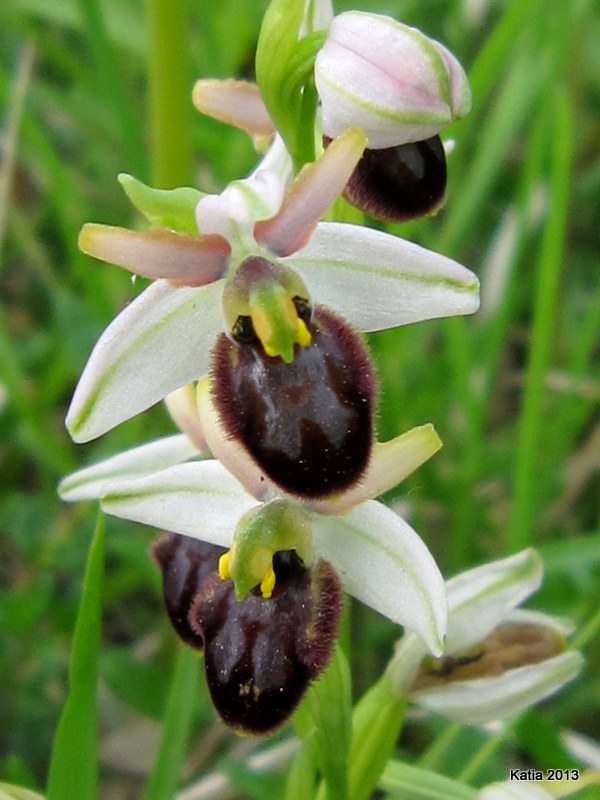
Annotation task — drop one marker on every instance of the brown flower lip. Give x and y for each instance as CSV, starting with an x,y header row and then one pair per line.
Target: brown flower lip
x,y
260,655
396,184
308,424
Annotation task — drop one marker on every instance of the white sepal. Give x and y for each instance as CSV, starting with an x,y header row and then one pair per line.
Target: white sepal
x,y
199,499
386,565
379,281
88,483
481,598
158,343
396,83
481,700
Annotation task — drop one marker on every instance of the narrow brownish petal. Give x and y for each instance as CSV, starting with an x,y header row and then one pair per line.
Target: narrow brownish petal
x,y
184,260
234,102
310,195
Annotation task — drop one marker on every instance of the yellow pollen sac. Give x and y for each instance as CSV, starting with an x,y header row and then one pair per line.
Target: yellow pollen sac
x,y
224,563
276,323
268,583
303,336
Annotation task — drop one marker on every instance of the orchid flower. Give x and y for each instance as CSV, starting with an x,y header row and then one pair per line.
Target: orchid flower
x,y
399,85
162,340
271,628
499,659
378,556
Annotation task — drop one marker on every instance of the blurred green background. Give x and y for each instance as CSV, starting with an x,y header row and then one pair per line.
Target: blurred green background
x,y
514,392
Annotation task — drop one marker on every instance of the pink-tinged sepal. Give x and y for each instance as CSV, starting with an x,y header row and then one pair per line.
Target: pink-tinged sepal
x,y
234,102
158,253
311,194
396,83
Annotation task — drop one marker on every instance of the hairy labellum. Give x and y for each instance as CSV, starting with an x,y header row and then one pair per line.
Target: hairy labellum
x,y
185,563
261,654
399,183
308,424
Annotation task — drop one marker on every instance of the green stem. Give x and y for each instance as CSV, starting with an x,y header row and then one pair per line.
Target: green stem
x,y
169,93
544,320
171,158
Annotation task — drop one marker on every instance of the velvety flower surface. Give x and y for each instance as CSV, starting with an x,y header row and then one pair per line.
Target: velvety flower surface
x,y
259,654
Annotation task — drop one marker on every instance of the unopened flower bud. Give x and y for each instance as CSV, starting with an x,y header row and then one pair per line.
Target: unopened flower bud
x,y
394,82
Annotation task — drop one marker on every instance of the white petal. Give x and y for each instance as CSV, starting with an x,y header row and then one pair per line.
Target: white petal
x,y
380,281
88,483
481,598
200,499
482,700
158,343
385,564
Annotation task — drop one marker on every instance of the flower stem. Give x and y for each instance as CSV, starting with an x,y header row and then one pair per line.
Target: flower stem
x,y
169,93
171,160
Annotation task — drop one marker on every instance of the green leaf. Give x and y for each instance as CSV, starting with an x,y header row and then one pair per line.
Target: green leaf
x,y
302,774
377,721
403,780
74,764
330,703
168,208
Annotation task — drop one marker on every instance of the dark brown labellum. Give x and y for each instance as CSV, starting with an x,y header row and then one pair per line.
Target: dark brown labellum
x,y
185,563
399,183
307,424
261,654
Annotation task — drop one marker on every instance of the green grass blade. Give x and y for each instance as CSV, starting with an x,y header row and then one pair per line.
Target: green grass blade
x,y
544,314
74,766
330,703
177,723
